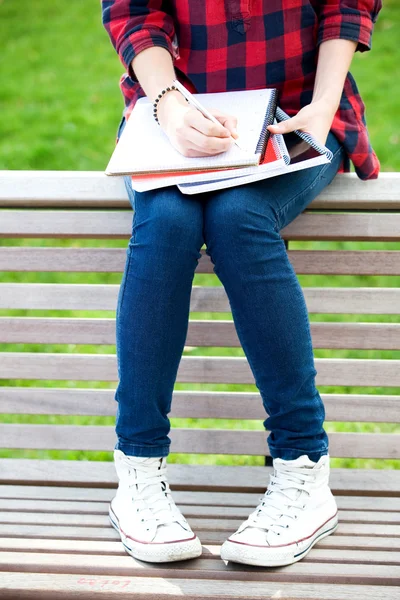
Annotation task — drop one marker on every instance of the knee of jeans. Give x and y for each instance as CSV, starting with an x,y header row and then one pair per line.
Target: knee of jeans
x,y
239,215
167,223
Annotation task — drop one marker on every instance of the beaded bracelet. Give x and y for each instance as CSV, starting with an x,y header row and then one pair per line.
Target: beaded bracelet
x,y
160,95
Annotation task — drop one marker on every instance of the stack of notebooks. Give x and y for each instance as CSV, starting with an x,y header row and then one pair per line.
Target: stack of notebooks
x,y
145,153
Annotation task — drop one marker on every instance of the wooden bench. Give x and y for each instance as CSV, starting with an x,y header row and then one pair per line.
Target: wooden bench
x,y
55,537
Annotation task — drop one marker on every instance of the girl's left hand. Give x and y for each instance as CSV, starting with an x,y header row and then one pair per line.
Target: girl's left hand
x,y
315,118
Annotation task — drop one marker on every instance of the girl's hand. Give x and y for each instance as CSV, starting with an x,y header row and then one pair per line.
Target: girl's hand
x,y
190,132
315,118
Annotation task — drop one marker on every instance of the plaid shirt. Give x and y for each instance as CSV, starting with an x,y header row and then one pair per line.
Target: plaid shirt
x,y
248,44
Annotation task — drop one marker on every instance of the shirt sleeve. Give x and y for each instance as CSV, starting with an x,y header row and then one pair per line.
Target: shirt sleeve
x,y
134,25
347,19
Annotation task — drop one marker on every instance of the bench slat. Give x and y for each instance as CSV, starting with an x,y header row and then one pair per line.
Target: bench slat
x,y
112,260
214,333
336,551
54,585
95,189
206,531
206,568
193,369
215,500
191,440
92,513
201,521
117,224
64,296
214,478
192,404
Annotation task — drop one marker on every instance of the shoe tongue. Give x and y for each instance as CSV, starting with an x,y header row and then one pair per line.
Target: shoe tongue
x,y
155,463
294,492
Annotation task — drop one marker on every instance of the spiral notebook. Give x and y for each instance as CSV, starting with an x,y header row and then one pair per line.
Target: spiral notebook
x,y
299,149
144,148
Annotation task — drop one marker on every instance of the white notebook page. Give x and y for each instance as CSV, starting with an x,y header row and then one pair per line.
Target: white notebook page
x,y
143,145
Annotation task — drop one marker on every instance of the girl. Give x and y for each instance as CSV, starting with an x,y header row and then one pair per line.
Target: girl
x,y
304,49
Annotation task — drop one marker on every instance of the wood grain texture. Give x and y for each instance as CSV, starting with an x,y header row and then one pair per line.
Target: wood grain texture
x,y
112,260
191,440
190,477
56,585
193,369
207,333
64,296
94,189
192,404
100,224
100,496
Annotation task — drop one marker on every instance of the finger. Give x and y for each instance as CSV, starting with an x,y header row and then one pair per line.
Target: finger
x,y
207,144
285,126
198,121
228,121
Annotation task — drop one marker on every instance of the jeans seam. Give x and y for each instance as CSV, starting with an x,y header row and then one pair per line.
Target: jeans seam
x,y
308,188
126,275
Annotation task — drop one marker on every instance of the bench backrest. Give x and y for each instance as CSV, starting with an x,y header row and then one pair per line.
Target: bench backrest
x,y
38,209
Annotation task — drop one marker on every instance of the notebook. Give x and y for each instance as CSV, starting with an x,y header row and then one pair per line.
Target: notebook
x,y
276,156
144,148
300,151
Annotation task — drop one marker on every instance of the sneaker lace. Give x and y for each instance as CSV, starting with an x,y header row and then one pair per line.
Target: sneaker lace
x,y
152,497
283,498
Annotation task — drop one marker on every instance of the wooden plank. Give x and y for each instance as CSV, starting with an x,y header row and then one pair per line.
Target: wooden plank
x,y
64,296
207,532
193,369
102,496
107,260
200,522
208,333
110,224
200,568
72,512
191,477
191,440
94,189
193,404
361,549
56,585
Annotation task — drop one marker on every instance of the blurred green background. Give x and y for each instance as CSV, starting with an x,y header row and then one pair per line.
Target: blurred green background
x,y
60,107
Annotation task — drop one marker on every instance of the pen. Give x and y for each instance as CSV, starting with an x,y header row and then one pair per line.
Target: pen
x,y
194,102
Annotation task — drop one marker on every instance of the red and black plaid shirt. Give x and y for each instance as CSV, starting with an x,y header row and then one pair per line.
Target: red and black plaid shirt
x,y
220,45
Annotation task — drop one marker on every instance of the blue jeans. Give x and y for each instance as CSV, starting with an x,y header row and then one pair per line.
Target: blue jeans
x,y
240,227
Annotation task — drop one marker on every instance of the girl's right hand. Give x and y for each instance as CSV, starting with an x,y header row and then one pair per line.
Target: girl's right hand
x,y
190,132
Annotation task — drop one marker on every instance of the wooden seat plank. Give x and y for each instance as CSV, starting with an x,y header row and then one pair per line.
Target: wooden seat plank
x,y
112,260
52,189
194,369
54,585
209,333
204,568
65,296
191,440
76,224
194,404
92,513
102,496
206,532
361,549
190,477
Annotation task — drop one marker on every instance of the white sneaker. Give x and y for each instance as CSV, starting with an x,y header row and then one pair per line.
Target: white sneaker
x,y
151,526
297,510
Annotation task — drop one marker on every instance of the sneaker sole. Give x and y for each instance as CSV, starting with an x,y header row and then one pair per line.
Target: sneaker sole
x,y
270,556
157,552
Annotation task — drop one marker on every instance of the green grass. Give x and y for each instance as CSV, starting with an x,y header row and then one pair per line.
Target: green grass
x,y
61,105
